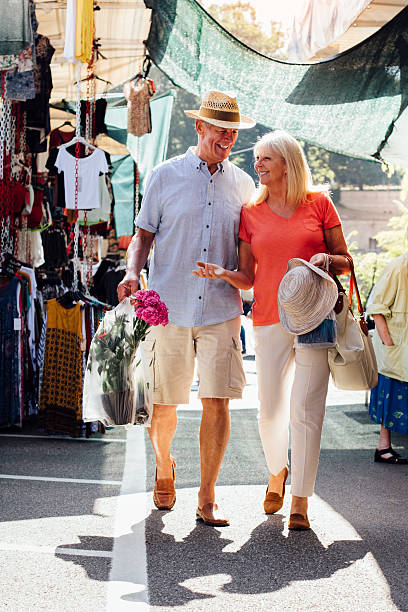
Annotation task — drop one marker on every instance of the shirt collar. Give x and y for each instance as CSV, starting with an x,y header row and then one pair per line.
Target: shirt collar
x,y
197,163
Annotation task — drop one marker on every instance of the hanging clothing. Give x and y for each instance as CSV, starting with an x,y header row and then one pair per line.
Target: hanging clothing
x,y
84,30
10,354
59,185
70,31
98,120
101,214
38,109
20,82
61,390
54,242
138,94
316,24
59,137
88,178
15,28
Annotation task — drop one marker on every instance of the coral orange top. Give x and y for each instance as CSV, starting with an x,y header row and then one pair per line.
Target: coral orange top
x,y
274,240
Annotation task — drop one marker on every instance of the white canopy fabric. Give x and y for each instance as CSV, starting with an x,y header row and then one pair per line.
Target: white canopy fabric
x,y
376,14
318,24
121,27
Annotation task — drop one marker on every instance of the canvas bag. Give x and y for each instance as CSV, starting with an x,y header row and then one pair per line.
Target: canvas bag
x,y
352,361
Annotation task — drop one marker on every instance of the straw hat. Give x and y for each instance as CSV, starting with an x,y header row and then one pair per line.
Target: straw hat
x,y
220,109
306,296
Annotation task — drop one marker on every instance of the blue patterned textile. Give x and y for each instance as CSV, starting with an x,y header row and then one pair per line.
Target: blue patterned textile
x,y
389,402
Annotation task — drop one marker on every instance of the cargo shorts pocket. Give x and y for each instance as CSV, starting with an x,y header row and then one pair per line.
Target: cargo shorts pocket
x,y
148,348
237,379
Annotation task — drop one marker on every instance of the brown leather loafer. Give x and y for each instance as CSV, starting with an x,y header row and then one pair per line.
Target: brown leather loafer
x,y
164,494
209,515
273,501
298,522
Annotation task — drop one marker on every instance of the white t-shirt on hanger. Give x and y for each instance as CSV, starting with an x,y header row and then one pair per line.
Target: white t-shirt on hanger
x,y
88,178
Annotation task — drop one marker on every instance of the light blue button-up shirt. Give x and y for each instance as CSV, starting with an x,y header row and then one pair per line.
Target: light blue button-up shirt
x,y
195,217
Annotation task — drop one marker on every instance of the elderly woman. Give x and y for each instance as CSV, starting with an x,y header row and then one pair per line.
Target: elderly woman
x,y
389,399
287,218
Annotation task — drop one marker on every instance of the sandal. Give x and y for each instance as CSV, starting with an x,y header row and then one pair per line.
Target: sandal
x,y
395,459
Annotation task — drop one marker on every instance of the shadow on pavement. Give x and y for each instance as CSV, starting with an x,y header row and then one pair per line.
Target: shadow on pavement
x,y
267,562
97,568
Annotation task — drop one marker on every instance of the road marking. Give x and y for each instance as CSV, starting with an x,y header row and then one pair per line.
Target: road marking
x,y
127,587
78,552
6,435
115,483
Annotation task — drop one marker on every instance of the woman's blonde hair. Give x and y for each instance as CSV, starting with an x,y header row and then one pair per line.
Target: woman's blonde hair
x,y
298,175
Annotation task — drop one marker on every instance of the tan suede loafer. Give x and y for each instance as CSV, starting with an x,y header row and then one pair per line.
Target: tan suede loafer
x,y
164,494
209,515
298,522
273,501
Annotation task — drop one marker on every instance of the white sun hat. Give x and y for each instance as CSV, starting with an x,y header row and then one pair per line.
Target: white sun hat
x,y
306,296
221,109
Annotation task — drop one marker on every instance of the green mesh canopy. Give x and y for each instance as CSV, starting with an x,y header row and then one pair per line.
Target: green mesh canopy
x,y
352,104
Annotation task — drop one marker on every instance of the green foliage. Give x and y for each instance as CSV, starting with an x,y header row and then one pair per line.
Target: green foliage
x,y
239,18
327,166
113,352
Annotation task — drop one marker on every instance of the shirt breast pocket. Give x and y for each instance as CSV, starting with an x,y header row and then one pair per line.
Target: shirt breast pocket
x,y
313,225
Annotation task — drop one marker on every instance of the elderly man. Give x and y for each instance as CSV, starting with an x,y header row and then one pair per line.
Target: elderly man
x,y
191,209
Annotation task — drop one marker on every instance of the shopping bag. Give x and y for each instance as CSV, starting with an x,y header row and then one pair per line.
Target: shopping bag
x,y
352,361
117,386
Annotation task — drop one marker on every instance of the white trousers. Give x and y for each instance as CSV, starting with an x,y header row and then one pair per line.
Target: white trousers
x,y
292,388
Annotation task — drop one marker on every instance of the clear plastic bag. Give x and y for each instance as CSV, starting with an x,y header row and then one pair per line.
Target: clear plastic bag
x,y
117,386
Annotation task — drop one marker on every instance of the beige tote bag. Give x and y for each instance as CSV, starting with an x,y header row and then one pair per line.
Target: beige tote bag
x,y
352,361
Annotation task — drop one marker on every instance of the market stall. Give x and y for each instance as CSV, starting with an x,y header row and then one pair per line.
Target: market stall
x,y
73,156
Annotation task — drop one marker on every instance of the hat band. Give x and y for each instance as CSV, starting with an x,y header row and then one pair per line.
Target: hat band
x,y
210,113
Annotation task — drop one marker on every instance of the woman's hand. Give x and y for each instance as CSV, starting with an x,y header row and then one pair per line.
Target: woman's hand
x,y
209,270
320,260
382,329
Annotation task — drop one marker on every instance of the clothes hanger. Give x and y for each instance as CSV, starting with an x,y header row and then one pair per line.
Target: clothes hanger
x,y
65,123
76,139
94,76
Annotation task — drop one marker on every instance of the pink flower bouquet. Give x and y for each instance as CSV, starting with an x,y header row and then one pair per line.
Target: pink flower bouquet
x,y
149,310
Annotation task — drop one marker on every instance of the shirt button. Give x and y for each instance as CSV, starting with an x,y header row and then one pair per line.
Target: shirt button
x,y
209,203
211,181
205,250
199,297
207,226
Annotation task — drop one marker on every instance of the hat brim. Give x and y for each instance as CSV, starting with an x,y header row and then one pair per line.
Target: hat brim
x,y
244,123
325,307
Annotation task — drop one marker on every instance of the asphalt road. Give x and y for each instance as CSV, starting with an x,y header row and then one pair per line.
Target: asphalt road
x,y
79,531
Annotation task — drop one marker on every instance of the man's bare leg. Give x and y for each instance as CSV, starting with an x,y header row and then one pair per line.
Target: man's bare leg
x,y
161,431
214,436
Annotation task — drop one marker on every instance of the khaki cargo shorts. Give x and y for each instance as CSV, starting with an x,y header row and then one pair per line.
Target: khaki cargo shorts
x,y
171,351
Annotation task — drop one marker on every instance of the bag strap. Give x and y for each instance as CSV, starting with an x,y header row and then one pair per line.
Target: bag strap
x,y
353,287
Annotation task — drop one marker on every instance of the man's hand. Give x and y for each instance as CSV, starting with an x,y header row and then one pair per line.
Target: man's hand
x,y
127,286
135,260
209,270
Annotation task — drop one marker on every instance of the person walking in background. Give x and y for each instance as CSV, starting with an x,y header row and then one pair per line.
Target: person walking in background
x,y
389,399
287,218
247,299
191,209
